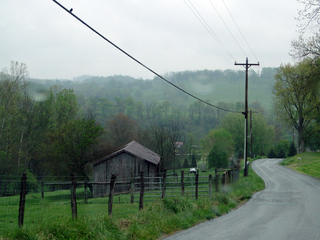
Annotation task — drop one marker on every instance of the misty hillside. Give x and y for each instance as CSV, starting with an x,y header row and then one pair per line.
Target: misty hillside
x,y
215,86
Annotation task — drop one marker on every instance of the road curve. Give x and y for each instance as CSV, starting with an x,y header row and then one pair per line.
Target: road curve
x,y
288,208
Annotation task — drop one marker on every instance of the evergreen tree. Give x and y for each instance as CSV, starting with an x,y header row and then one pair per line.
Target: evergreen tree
x,y
272,154
281,153
193,161
292,150
185,163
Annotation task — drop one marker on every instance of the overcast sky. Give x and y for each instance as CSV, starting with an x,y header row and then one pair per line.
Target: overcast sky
x,y
165,35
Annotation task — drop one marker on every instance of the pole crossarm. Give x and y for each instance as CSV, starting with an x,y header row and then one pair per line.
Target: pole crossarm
x,y
247,65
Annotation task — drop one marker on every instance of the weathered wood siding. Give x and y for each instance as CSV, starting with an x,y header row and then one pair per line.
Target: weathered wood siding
x,y
124,166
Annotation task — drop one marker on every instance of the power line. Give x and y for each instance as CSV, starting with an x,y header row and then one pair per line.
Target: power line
x,y
227,28
239,30
207,27
137,61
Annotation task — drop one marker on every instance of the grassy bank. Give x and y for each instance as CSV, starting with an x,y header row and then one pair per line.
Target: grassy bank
x,y
157,219
309,163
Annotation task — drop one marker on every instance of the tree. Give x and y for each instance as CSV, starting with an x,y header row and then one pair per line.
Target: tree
x,y
16,118
292,150
165,135
234,124
306,47
310,15
217,158
282,148
281,154
185,163
296,101
263,135
193,161
121,130
65,105
221,139
309,18
313,133
73,146
272,154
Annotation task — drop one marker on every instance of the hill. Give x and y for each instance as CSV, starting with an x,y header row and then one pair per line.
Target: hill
x,y
215,86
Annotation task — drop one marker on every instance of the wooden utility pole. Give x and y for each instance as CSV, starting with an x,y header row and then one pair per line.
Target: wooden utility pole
x,y
251,134
247,65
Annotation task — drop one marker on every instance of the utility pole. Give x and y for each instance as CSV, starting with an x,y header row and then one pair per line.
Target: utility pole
x,y
247,65
251,134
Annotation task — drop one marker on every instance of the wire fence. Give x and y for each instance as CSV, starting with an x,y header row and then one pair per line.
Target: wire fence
x,y
27,202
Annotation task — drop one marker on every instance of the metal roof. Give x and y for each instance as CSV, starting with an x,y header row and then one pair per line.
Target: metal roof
x,y
136,150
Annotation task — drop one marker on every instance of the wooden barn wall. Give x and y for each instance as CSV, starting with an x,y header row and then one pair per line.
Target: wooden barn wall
x,y
124,166
99,175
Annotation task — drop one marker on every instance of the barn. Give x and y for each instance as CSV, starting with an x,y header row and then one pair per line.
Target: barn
x,y
125,163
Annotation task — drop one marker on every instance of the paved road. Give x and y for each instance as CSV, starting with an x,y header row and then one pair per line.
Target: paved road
x,y
289,208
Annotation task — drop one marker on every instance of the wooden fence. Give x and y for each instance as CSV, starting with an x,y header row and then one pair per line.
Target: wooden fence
x,y
143,188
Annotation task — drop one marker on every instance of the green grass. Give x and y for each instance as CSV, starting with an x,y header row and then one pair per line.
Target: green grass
x,y
50,218
309,163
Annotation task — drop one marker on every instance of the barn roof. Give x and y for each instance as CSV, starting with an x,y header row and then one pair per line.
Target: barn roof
x,y
136,150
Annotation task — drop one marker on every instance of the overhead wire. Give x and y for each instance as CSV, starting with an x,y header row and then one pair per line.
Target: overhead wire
x,y
227,28
140,63
239,30
237,42
207,27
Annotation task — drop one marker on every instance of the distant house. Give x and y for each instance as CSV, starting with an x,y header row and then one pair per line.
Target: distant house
x,y
125,163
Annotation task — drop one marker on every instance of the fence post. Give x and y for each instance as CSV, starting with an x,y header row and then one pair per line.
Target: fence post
x,y
132,190
197,183
227,177
22,203
73,196
223,182
216,182
232,175
112,184
182,183
85,191
141,191
210,185
42,190
164,184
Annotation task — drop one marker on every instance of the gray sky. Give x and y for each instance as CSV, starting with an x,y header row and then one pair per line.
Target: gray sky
x,y
164,35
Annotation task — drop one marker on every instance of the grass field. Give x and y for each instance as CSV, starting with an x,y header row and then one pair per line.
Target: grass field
x,y
309,163
50,218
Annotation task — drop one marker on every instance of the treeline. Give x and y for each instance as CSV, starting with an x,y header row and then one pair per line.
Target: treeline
x,y
44,138
52,130
215,86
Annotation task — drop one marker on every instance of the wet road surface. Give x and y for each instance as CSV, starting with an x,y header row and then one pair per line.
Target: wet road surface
x,y
288,208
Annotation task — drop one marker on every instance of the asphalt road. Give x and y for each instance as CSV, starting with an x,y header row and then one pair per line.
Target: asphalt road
x,y
288,208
